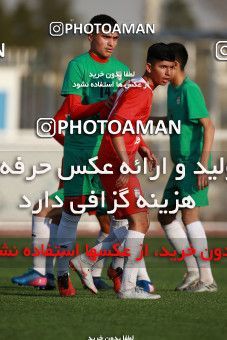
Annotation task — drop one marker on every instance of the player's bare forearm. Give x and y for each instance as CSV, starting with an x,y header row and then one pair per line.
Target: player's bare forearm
x,y
141,145
145,151
208,139
119,146
156,120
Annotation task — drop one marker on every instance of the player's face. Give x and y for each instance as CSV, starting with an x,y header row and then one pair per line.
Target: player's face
x,y
176,71
103,44
161,72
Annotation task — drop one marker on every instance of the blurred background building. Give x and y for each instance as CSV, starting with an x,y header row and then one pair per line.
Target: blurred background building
x,y
31,74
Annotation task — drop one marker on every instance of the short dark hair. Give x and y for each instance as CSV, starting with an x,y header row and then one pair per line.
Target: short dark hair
x,y
180,52
159,51
103,19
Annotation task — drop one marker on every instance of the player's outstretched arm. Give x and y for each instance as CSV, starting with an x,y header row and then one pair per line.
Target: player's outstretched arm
x,y
77,110
72,106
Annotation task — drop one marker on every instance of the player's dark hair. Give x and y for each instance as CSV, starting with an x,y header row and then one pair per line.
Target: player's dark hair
x,y
159,52
103,19
181,54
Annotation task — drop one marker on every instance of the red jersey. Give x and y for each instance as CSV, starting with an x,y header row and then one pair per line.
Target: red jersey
x,y
133,102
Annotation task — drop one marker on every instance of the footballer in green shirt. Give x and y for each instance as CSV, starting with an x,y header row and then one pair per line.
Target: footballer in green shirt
x,y
89,81
88,69
103,73
186,103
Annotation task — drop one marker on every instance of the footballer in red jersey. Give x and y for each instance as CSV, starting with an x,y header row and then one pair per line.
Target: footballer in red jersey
x,y
133,103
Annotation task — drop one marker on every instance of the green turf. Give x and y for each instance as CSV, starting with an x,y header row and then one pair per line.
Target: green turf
x,y
27,313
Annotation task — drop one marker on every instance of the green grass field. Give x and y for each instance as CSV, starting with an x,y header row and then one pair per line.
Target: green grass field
x,y
31,314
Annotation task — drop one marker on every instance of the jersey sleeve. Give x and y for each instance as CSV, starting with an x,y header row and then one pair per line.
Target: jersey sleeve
x,y
60,115
195,104
72,80
81,111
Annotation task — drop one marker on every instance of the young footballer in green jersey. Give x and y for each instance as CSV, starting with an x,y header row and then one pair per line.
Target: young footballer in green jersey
x,y
89,68
186,103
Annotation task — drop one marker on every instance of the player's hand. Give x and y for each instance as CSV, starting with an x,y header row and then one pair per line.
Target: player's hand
x,y
110,101
202,181
152,160
122,181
